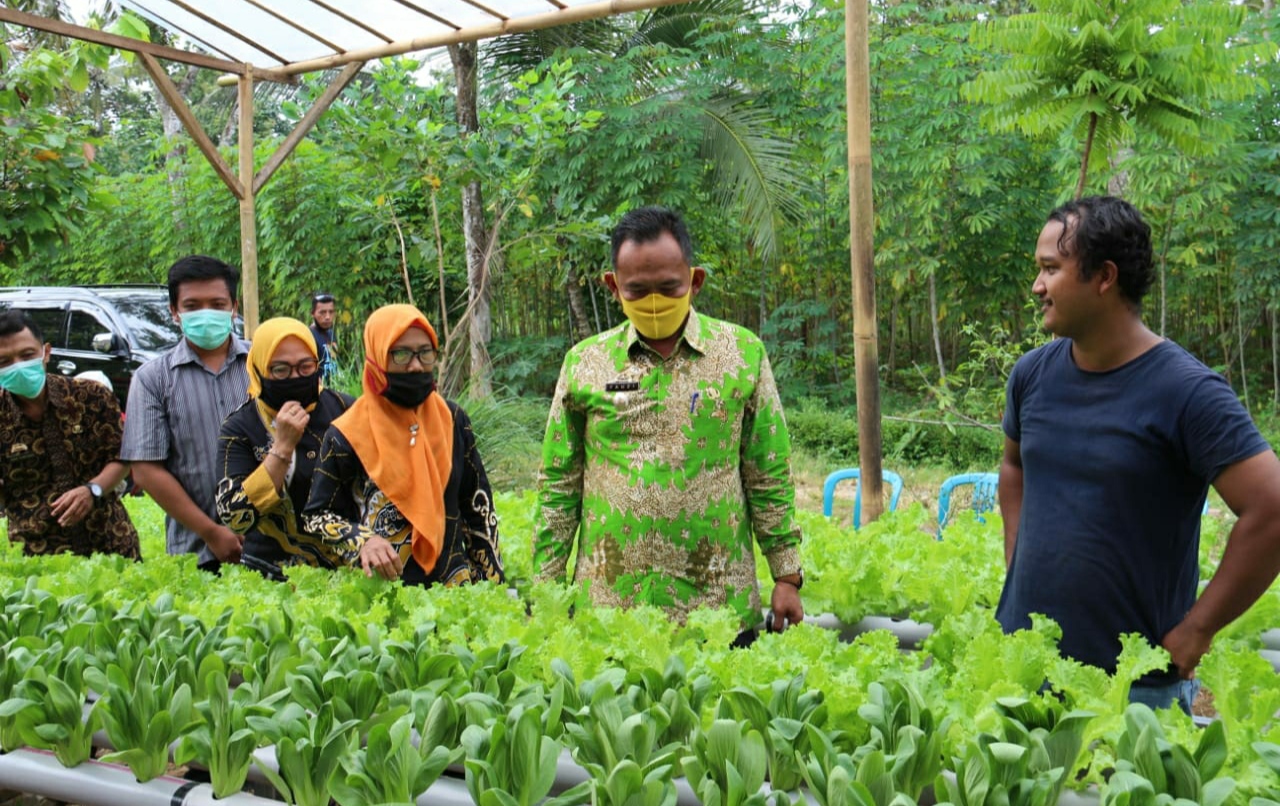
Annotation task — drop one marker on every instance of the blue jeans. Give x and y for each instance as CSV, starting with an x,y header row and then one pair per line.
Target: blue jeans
x,y
1182,692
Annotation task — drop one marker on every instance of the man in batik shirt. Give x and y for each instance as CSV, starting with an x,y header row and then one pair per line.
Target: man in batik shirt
x,y
59,453
666,449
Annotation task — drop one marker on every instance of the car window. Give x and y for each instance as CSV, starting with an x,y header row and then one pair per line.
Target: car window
x,y
150,323
84,326
51,321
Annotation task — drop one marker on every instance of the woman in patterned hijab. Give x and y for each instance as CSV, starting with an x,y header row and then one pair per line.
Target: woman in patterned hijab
x,y
399,473
268,449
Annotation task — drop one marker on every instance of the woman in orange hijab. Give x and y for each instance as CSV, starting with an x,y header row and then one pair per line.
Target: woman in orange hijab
x,y
267,450
399,473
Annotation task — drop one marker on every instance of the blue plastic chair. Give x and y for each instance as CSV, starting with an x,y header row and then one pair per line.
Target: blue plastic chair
x,y
829,490
985,487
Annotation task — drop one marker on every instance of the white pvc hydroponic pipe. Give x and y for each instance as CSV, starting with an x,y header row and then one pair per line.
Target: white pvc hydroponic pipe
x,y
94,783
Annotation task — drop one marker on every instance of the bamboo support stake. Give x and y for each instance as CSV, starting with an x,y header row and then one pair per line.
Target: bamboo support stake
x,y
861,233
248,225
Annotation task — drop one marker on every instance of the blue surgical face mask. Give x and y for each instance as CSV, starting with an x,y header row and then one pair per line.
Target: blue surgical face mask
x,y
207,329
24,378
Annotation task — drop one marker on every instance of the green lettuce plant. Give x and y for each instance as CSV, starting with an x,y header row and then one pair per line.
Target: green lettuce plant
x,y
309,750
390,768
48,706
1152,770
223,741
512,763
726,765
144,714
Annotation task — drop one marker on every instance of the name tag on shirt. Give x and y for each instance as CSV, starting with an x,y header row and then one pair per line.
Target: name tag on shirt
x,y
622,386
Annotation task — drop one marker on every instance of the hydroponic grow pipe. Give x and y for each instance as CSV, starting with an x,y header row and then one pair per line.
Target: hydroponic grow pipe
x,y
94,783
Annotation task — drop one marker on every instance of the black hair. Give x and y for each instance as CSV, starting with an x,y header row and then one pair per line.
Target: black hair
x,y
320,297
15,320
645,224
1096,229
201,267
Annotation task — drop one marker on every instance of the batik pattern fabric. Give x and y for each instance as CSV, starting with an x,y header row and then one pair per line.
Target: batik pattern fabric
x,y
659,472
39,461
346,508
249,503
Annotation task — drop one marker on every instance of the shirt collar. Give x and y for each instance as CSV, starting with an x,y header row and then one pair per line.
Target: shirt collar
x,y
692,334
183,353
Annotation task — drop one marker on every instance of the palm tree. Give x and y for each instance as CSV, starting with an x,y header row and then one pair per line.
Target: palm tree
x,y
753,177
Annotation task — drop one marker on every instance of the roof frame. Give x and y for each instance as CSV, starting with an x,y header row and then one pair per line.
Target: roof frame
x,y
246,185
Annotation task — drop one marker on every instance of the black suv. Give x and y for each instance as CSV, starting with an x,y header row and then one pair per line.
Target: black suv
x,y
111,329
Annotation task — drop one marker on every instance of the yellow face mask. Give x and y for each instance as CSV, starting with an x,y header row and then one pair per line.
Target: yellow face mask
x,y
657,316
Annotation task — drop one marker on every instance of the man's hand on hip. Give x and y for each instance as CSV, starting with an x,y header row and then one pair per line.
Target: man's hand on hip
x,y
1186,645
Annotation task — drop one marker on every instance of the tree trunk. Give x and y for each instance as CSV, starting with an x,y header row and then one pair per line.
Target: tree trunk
x,y
1164,268
893,334
1244,373
579,322
1084,161
933,321
1275,361
473,224
228,138
175,157
595,309
1118,184
435,224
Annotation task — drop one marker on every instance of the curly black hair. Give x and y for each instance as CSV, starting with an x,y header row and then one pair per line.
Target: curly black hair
x,y
1100,228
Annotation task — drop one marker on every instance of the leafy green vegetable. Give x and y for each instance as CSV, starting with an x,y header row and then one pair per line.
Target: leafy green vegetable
x,y
309,750
390,769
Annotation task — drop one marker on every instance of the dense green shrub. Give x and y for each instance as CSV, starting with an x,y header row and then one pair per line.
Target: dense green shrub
x,y
833,434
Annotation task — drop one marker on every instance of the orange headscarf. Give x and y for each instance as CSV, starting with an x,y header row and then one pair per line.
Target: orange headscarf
x,y
412,476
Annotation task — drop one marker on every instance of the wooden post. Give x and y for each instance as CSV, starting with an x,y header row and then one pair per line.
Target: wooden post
x,y
248,225
861,232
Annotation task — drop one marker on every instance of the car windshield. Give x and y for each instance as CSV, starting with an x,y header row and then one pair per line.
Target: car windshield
x,y
151,325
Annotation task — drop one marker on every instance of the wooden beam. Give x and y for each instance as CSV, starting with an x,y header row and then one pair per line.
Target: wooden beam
x,y
866,345
475,33
248,212
189,122
305,125
116,41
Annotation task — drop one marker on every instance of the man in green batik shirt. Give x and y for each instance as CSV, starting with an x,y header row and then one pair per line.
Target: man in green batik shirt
x,y
666,448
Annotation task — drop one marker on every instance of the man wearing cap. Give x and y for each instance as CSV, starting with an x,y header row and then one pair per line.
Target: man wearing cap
x,y
59,453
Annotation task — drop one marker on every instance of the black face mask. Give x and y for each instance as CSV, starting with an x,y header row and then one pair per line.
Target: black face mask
x,y
305,390
409,389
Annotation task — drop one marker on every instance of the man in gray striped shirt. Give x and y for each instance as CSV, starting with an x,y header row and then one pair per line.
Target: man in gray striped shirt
x,y
177,403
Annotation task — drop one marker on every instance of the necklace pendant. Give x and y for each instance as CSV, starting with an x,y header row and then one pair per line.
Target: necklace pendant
x,y
413,435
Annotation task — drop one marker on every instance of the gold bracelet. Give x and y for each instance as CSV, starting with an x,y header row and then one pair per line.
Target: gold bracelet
x,y
279,456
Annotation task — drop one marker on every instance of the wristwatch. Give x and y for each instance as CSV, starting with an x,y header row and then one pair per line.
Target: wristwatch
x,y
97,492
799,579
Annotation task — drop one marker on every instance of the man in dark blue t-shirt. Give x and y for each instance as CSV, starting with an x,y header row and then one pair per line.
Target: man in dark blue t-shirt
x,y
1113,436
322,316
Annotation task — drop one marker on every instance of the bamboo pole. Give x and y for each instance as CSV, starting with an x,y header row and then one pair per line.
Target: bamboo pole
x,y
248,224
862,263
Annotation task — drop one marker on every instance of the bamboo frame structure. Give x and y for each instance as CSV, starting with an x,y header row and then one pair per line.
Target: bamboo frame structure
x,y
247,185
866,344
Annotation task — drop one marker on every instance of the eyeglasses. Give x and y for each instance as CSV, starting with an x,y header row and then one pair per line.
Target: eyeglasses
x,y
281,371
322,298
401,356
